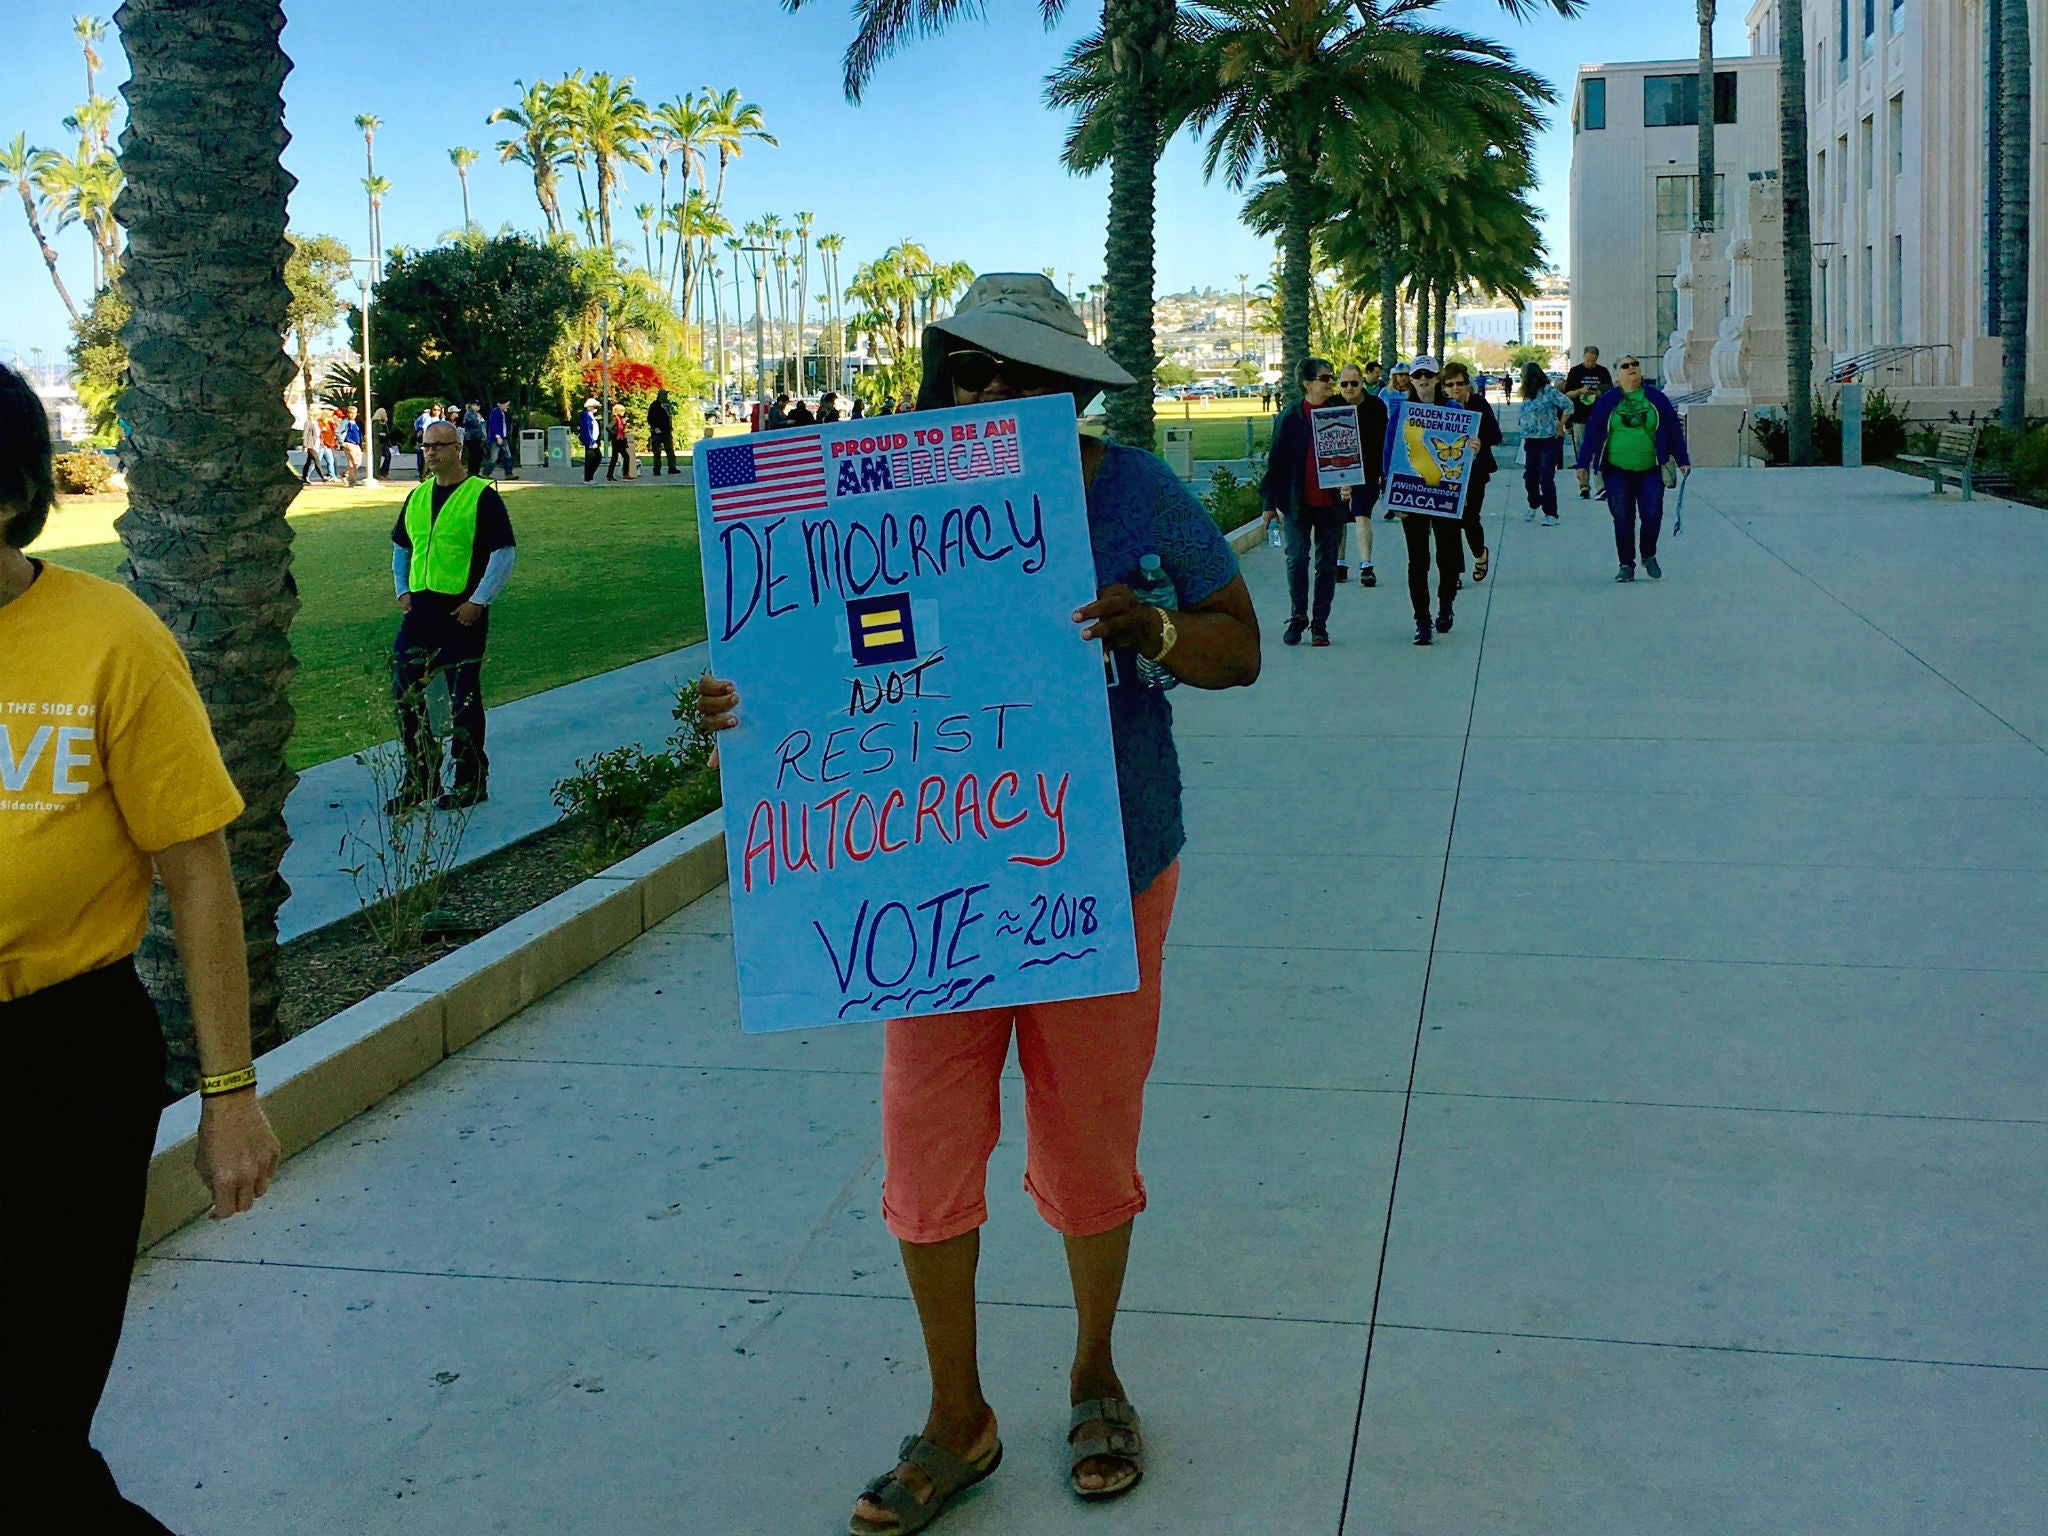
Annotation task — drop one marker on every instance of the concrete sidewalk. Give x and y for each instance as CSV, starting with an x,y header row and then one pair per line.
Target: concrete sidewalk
x,y
1601,1091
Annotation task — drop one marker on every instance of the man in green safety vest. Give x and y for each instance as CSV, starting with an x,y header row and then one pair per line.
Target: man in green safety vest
x,y
451,556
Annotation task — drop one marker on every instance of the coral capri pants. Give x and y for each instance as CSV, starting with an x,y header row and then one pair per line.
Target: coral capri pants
x,y
1084,1062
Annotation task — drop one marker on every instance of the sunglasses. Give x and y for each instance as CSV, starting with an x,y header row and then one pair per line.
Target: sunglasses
x,y
1352,384
974,370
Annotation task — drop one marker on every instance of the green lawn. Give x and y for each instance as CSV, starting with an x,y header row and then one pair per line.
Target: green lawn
x,y
607,575
1218,424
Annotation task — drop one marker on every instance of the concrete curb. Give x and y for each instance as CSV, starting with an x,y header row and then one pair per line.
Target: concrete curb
x,y
324,1078
1249,537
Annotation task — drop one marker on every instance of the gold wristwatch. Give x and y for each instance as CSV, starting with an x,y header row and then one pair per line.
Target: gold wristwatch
x,y
1167,635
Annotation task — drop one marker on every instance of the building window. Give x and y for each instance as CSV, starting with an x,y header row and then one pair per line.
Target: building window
x,y
1841,39
1898,17
1864,295
1869,27
1869,148
1820,184
1895,130
1673,101
1667,307
1678,203
1895,290
1593,104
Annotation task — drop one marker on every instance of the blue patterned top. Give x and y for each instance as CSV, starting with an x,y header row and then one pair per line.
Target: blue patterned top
x,y
1544,416
1137,507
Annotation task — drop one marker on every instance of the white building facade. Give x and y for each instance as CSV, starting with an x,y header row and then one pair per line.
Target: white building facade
x,y
1634,187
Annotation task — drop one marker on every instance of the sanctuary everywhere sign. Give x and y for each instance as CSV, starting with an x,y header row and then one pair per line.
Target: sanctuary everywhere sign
x,y
920,797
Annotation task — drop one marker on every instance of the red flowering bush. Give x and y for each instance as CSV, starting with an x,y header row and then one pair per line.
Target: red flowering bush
x,y
628,378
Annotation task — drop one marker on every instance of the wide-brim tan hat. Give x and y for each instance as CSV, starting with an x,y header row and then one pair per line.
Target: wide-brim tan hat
x,y
1023,317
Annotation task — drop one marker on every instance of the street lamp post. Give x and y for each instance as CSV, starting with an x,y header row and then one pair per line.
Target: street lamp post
x,y
369,285
757,262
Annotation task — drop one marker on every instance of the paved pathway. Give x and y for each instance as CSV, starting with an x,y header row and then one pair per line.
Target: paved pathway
x,y
1602,1091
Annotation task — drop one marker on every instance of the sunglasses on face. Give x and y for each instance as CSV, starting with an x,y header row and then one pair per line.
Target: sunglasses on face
x,y
1324,378
1352,384
974,370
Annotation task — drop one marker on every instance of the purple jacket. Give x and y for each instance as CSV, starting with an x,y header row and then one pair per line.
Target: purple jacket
x,y
1670,435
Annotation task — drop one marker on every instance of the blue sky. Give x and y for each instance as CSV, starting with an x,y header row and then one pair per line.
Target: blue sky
x,y
952,146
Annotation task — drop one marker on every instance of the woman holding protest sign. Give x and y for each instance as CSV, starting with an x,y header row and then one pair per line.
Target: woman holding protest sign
x,y
1420,529
1085,1061
1456,388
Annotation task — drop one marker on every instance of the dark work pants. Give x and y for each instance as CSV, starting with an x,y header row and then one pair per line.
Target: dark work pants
x,y
1322,528
70,1246
1541,457
659,443
473,455
592,457
430,641
1473,521
1633,494
621,465
1419,530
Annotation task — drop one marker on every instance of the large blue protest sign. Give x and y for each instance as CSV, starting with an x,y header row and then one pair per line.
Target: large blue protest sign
x,y
920,798
1430,453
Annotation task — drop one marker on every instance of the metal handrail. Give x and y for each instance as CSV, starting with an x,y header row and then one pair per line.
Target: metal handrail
x,y
1878,358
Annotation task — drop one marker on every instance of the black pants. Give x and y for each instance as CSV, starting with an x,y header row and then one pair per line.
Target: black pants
x,y
1541,457
621,465
592,457
659,443
430,640
1323,528
1473,521
473,455
70,1249
1419,530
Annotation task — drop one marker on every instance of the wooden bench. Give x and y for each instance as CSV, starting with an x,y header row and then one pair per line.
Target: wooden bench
x,y
1955,455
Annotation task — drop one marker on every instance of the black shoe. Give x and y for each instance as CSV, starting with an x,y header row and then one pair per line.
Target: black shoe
x,y
1585,493
1650,565
1389,517
405,802
462,797
1461,583
1626,573
1443,622
1424,635
1343,573
1296,628
1319,637
1367,578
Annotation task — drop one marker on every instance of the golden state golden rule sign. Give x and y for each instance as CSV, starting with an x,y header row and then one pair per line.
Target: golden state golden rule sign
x,y
920,798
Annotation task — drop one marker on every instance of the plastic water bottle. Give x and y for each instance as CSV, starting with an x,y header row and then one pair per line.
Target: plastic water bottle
x,y
1275,537
1155,588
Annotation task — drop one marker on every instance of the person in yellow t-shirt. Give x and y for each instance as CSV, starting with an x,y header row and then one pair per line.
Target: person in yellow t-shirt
x,y
109,778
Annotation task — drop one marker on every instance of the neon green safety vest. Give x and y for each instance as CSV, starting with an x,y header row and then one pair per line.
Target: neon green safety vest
x,y
442,546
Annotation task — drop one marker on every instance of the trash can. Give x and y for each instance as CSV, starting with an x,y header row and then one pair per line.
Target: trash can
x,y
1180,451
533,447
558,447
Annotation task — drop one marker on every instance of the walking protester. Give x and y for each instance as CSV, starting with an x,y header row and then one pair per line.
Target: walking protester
x,y
828,408
590,433
1420,530
1397,385
1312,517
498,430
1354,386
1455,388
473,439
351,434
452,553
130,791
1544,410
330,442
621,438
800,415
1635,438
380,441
661,432
310,445
1084,1062
1586,382
427,417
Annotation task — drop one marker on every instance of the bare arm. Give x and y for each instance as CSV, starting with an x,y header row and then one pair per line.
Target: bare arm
x,y
1216,642
237,1150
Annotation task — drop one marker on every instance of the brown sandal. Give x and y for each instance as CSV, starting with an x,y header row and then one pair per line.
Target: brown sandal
x,y
949,1474
1125,1441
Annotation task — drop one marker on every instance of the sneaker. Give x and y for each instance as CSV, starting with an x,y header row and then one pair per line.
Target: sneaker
x,y
1366,578
1550,519
1319,637
1529,516
1424,635
1343,573
1296,628
1585,493
1655,570
1626,573
1443,622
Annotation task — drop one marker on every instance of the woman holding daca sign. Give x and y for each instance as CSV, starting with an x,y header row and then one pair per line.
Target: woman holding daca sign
x,y
1420,528
1084,1061
1457,389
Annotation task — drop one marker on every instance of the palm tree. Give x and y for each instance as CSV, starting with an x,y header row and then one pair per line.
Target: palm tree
x,y
92,120
804,222
367,124
23,168
731,122
208,546
89,30
540,145
376,187
82,190
1704,222
463,157
2015,203
829,247
1798,225
610,127
682,128
645,214
318,265
695,224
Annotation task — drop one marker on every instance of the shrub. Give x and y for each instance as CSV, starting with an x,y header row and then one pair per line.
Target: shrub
x,y
1232,502
1884,428
404,414
2030,465
82,474
630,796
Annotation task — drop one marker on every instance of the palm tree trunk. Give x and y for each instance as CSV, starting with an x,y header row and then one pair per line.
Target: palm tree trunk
x,y
661,221
1442,295
2015,108
208,484
1390,313
35,227
464,175
1798,224
1296,252
1704,222
1138,33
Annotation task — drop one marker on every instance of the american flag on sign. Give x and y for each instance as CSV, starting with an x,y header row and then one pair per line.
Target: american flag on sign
x,y
775,477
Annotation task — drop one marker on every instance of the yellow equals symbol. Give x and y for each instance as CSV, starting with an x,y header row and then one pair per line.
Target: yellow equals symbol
x,y
882,628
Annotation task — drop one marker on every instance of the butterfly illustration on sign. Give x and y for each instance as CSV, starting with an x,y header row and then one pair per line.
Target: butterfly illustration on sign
x,y
1434,456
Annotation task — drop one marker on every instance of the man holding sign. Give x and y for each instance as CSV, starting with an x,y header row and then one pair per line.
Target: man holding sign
x,y
943,568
